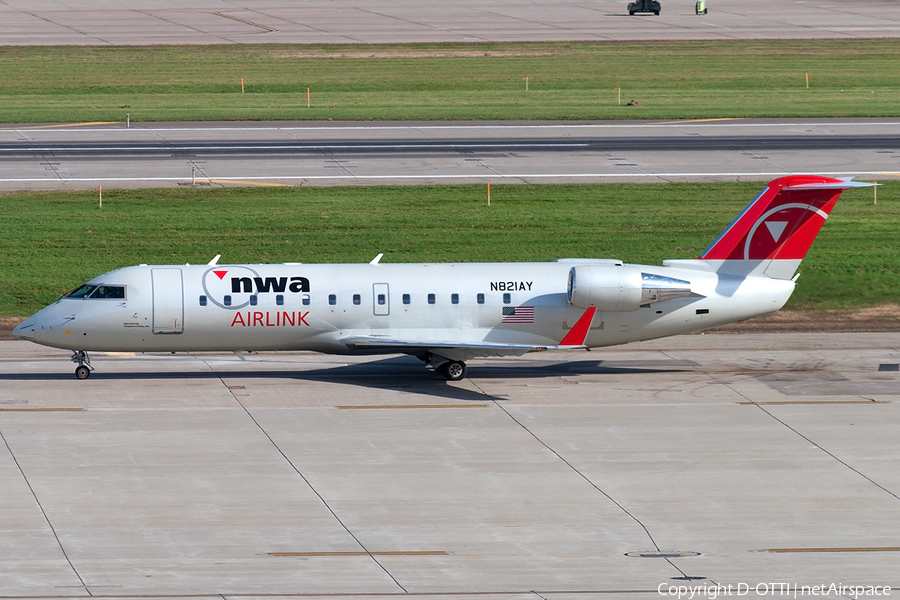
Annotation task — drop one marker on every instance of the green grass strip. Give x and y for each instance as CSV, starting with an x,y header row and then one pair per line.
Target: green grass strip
x,y
53,242
566,80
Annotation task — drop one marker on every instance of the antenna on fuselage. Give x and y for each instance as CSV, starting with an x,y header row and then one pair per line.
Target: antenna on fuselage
x,y
376,260
214,261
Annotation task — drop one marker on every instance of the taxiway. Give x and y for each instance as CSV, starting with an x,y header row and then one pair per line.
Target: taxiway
x,y
127,22
703,459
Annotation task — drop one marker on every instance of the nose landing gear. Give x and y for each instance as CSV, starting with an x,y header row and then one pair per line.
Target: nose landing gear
x,y
84,368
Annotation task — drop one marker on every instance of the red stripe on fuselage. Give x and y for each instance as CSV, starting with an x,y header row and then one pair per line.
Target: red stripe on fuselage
x,y
578,334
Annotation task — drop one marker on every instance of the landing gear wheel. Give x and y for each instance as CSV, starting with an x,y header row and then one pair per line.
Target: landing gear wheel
x,y
455,370
84,368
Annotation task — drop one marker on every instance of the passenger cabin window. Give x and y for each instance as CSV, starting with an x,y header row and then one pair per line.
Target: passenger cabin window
x,y
305,300
382,299
406,299
454,298
332,299
480,298
431,299
279,300
357,299
202,300
226,300
254,300
507,298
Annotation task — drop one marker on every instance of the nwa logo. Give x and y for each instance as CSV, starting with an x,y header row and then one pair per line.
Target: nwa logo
x,y
233,287
269,284
788,231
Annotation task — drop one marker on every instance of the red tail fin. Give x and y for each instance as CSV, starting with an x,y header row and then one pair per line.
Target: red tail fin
x,y
782,221
779,225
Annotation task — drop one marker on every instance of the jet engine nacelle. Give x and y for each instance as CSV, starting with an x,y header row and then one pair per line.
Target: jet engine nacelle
x,y
613,288
618,288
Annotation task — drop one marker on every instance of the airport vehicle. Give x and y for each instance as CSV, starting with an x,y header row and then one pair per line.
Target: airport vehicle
x,y
644,6
446,314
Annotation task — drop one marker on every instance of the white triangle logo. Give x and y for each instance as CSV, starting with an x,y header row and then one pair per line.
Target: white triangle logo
x,y
776,228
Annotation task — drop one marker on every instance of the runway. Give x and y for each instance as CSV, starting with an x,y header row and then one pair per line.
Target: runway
x,y
305,153
709,460
129,22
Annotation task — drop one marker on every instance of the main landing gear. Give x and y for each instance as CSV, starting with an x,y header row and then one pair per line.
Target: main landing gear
x,y
452,370
84,368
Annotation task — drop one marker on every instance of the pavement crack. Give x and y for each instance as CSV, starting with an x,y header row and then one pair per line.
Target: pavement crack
x,y
44,513
816,445
307,481
574,469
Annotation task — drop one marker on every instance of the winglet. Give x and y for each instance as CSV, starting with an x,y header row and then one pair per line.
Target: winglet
x,y
579,332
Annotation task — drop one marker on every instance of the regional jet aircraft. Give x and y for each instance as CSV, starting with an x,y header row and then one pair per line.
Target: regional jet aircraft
x,y
446,314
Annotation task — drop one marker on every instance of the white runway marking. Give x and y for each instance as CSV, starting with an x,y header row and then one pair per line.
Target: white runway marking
x,y
492,176
736,123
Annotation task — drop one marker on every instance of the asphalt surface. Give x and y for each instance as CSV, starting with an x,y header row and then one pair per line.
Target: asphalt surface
x,y
304,153
132,22
703,460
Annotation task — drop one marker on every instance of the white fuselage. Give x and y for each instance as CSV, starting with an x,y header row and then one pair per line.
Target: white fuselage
x,y
319,307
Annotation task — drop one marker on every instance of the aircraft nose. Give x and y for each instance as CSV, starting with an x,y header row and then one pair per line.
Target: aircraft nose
x,y
25,330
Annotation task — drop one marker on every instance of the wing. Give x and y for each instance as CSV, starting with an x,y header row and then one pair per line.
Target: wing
x,y
452,350
465,350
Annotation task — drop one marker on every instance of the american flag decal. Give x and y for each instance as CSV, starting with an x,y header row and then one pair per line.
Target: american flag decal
x,y
518,314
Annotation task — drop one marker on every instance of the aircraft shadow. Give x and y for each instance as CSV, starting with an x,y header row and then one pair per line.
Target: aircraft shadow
x,y
402,374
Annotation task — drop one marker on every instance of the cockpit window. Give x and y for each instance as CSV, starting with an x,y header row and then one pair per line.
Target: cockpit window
x,y
109,291
99,291
82,292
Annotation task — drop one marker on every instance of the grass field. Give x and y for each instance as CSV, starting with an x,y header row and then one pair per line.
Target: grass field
x,y
452,81
53,242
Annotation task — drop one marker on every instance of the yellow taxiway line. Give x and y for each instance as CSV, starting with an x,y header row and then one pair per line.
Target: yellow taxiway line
x,y
61,125
863,549
381,406
361,553
41,409
240,182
